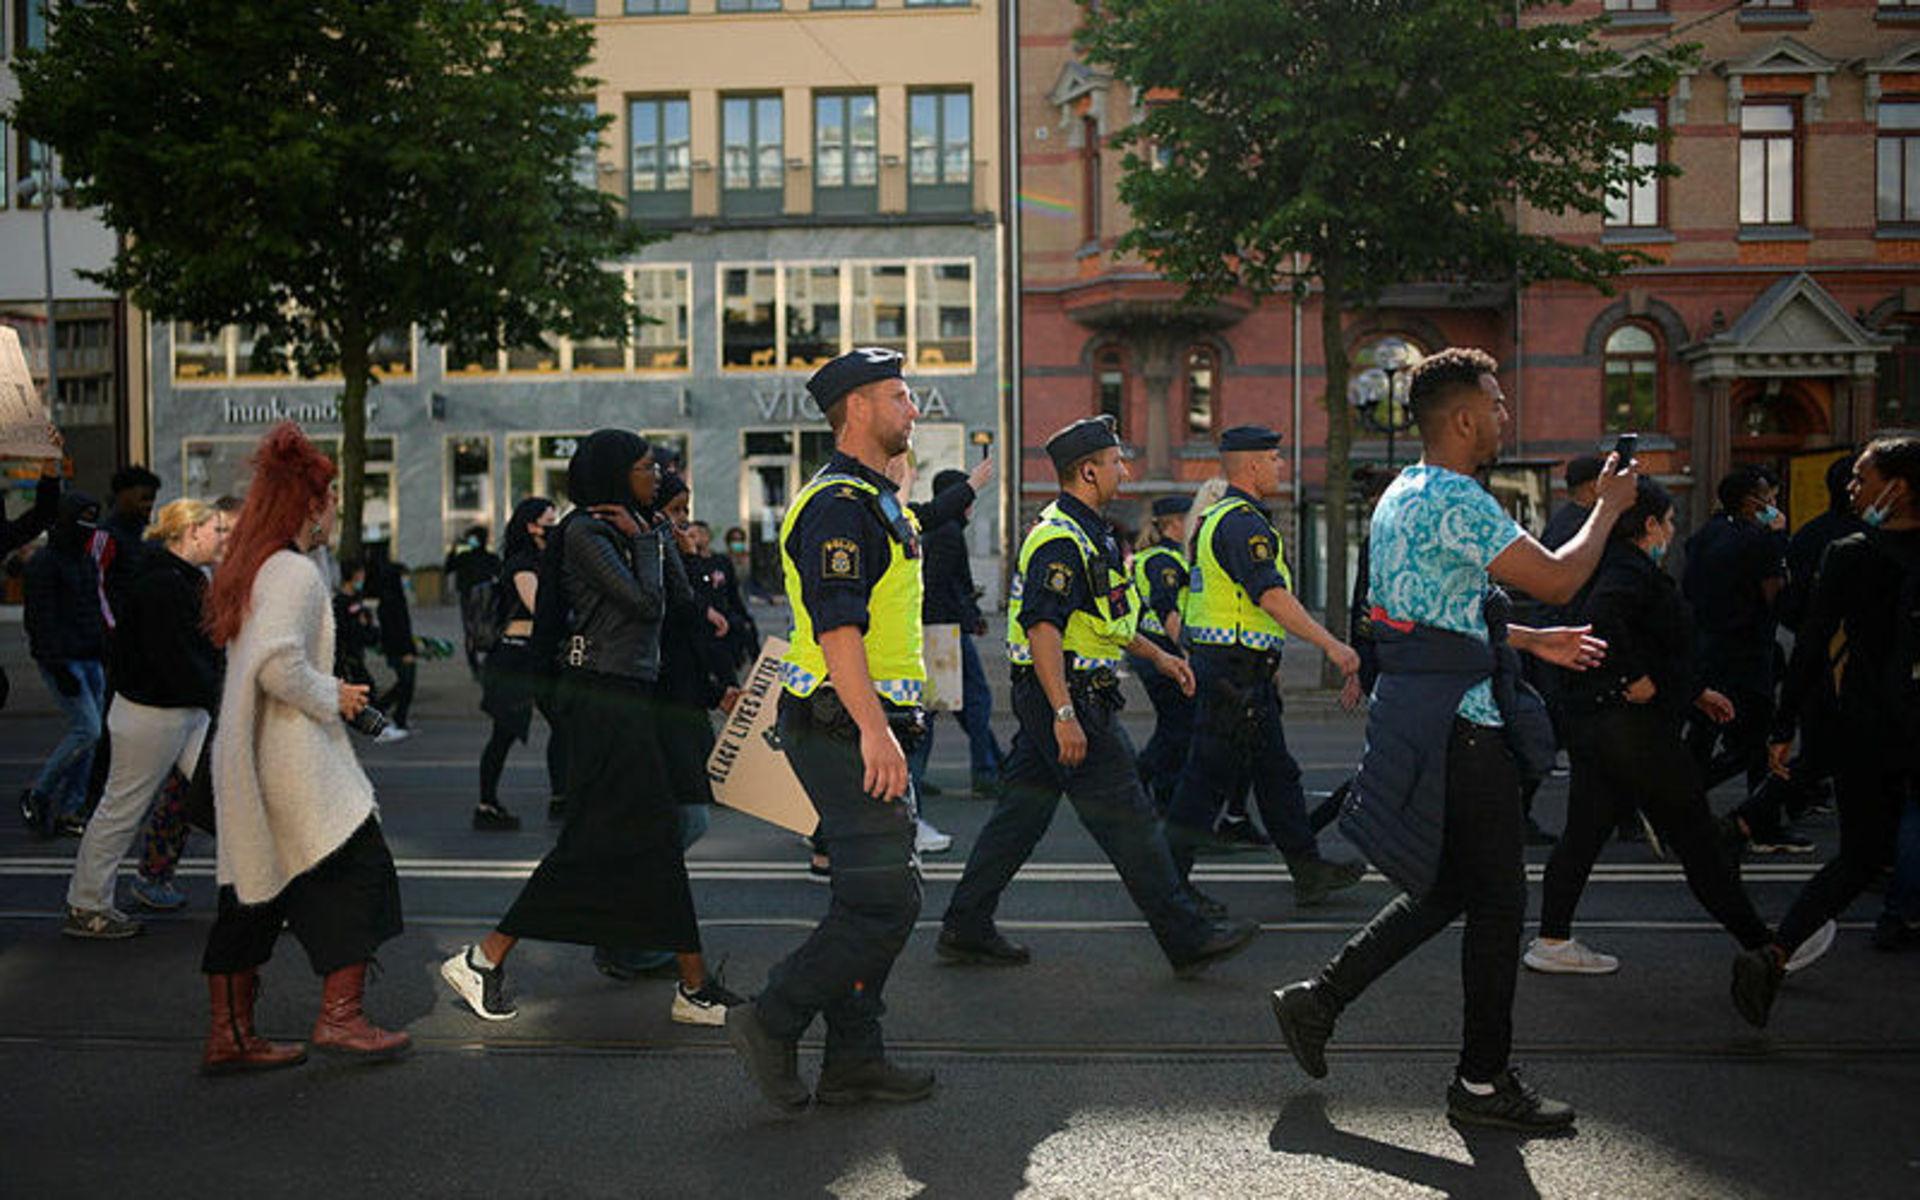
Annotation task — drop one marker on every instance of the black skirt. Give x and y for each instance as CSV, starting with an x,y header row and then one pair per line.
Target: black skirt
x,y
617,875
686,738
341,910
512,681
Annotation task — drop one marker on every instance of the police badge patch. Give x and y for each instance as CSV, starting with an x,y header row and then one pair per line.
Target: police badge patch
x,y
1059,578
840,559
1170,577
1260,547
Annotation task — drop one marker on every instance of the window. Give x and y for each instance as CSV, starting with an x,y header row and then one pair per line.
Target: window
x,y
664,297
1768,180
940,150
29,25
846,153
752,155
573,8
468,496
748,6
1635,6
1898,177
1200,397
29,163
1898,392
208,354
939,3
586,163
646,8
1637,205
1110,389
1774,4
1090,189
1632,381
843,3
660,165
795,316
747,300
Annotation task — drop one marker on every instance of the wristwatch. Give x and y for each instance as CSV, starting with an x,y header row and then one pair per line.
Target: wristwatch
x,y
1065,713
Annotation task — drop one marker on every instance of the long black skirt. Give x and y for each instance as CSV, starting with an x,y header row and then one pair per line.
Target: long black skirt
x,y
617,875
341,910
686,737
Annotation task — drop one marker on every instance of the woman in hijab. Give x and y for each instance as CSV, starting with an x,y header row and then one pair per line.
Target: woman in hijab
x,y
514,676
617,875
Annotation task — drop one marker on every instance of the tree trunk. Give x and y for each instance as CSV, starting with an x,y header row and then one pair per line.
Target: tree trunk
x,y
1333,352
355,350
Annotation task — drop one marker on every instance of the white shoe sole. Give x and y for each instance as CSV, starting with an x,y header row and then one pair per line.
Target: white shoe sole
x,y
1555,966
469,987
684,1013
1809,952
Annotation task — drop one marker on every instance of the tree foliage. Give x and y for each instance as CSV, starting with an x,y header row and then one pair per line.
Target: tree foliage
x,y
324,170
1381,141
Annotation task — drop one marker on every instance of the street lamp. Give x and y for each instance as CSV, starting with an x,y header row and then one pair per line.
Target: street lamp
x,y
1379,393
45,187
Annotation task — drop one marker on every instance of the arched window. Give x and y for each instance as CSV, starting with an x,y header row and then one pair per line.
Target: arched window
x,y
1631,383
1110,388
1202,396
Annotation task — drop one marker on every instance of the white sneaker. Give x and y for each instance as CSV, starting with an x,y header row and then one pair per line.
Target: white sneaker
x,y
708,1006
928,840
1808,952
484,991
391,734
1568,958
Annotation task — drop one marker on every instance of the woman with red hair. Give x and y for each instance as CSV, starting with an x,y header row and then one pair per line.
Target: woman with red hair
x,y
299,841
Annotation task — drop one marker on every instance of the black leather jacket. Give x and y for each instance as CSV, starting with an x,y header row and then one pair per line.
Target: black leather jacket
x,y
618,589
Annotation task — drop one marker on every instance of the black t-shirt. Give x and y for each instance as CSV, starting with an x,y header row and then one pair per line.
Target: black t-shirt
x,y
1854,597
1058,580
512,608
1247,547
841,548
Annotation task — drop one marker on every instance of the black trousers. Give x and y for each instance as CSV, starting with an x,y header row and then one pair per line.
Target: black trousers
x,y
1165,753
1870,799
341,911
1482,874
840,971
398,699
1741,743
1632,756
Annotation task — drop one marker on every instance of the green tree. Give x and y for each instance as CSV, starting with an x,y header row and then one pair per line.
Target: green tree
x,y
1371,142
329,169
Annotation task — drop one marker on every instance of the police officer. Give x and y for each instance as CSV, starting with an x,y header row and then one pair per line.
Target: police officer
x,y
1160,581
851,684
1070,622
1240,609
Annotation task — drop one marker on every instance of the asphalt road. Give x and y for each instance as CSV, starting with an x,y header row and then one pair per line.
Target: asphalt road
x,y
1090,1073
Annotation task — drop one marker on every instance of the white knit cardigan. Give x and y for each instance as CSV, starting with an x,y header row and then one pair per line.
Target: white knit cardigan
x,y
287,787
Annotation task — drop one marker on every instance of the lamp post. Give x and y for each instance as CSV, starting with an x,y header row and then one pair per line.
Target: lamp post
x,y
1379,392
44,187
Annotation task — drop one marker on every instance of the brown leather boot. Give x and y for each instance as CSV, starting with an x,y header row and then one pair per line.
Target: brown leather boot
x,y
232,1045
343,1027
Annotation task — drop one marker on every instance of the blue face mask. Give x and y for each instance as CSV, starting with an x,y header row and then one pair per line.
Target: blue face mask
x,y
1657,553
1767,515
1876,515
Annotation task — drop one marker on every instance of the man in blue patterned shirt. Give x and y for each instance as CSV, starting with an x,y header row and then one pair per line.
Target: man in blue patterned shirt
x,y
1438,538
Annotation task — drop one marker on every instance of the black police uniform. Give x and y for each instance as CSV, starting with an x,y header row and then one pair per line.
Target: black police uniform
x,y
1165,753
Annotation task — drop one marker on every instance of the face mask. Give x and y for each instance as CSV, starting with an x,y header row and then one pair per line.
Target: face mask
x,y
1767,515
1876,515
1657,553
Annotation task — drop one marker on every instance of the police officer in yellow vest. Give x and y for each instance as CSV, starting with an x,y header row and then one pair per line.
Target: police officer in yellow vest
x,y
1240,609
1070,622
1160,580
850,554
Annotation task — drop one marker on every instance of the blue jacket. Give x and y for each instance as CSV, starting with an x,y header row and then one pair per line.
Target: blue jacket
x,y
1397,811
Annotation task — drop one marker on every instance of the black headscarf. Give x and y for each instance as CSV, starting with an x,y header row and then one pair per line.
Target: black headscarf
x,y
602,466
517,541
78,516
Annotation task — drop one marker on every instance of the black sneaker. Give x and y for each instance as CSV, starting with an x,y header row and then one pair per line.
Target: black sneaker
x,y
1314,879
772,1063
992,950
1306,1015
484,989
1227,939
492,818
870,1080
1756,981
1513,1104
36,812
72,825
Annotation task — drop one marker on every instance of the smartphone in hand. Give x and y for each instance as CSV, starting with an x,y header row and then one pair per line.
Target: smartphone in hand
x,y
1624,449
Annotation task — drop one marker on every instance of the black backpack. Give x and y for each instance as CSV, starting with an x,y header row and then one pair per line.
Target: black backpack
x,y
480,615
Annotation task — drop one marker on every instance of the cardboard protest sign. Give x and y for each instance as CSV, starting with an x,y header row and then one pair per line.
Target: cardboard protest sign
x,y
748,769
23,418
940,650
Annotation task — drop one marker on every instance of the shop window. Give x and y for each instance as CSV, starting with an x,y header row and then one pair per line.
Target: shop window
x,y
468,496
1631,381
943,314
880,305
660,159
812,320
751,155
940,150
1897,177
1201,375
664,296
747,300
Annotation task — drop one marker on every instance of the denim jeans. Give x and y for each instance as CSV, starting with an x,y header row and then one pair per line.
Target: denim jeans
x,y
975,716
63,778
1482,874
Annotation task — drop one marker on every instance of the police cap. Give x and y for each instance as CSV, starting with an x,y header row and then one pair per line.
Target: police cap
x,y
1172,506
1249,437
1089,435
866,364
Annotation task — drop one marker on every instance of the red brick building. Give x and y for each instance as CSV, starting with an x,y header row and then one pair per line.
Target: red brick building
x,y
1780,320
